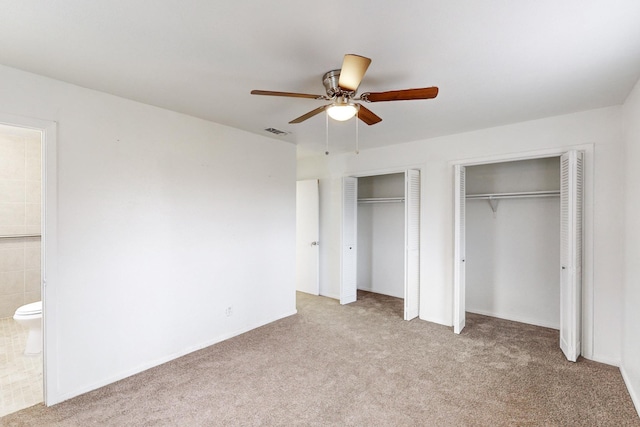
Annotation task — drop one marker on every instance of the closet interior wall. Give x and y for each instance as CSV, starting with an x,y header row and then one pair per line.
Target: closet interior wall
x,y
381,234
513,254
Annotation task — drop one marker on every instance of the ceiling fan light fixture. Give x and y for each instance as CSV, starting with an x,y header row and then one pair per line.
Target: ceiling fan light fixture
x,y
342,112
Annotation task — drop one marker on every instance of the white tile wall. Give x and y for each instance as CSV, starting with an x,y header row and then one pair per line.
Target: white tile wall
x,y
12,257
12,158
11,191
12,213
20,213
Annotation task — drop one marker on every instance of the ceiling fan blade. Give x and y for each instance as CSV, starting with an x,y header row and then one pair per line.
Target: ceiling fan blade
x,y
310,114
289,94
401,95
368,116
352,71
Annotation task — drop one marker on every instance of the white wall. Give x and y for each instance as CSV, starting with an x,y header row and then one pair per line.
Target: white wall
x,y
163,221
509,177
513,260
597,130
631,320
381,248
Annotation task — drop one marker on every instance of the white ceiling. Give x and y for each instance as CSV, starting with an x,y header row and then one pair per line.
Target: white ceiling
x,y
495,61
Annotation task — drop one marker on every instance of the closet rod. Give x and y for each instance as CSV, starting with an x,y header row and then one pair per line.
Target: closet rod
x,y
382,200
514,195
19,236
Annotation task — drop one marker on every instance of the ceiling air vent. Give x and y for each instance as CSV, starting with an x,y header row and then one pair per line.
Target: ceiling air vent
x,y
276,131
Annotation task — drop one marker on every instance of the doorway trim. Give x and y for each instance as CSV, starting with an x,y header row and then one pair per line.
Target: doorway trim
x,y
587,278
49,242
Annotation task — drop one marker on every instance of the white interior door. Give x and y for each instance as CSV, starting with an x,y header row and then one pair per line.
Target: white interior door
x,y
571,202
459,249
349,258
307,235
412,245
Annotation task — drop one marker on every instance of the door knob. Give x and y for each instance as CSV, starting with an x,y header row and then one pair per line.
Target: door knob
x,y
315,243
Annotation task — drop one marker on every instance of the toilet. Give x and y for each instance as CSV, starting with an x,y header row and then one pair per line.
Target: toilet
x,y
30,316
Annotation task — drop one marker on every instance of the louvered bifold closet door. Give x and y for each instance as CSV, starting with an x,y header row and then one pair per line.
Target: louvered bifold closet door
x,y
571,232
412,245
459,255
349,257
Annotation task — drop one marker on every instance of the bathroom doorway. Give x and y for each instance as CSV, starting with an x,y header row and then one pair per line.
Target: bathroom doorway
x,y
29,256
21,376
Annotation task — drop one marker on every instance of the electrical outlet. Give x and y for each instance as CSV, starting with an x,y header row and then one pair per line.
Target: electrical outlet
x,y
228,311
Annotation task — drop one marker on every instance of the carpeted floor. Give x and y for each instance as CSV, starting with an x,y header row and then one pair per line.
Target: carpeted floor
x,y
360,365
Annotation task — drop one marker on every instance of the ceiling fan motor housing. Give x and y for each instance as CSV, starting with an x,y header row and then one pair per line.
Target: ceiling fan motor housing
x,y
330,82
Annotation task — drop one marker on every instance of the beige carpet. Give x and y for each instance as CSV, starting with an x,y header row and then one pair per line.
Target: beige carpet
x,y
360,365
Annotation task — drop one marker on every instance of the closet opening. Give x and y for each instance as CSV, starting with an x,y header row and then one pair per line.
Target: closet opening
x,y
380,250
513,241
380,257
518,245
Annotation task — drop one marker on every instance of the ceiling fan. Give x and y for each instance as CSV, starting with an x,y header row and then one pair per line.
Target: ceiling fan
x,y
341,86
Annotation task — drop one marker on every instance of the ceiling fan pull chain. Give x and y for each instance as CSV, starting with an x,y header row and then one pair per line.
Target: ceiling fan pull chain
x,y
357,133
326,116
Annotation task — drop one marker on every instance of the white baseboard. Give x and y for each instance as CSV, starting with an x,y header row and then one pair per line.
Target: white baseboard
x,y
435,320
605,360
330,295
370,289
635,397
515,319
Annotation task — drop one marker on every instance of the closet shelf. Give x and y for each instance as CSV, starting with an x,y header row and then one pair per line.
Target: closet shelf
x,y
517,195
381,200
493,198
